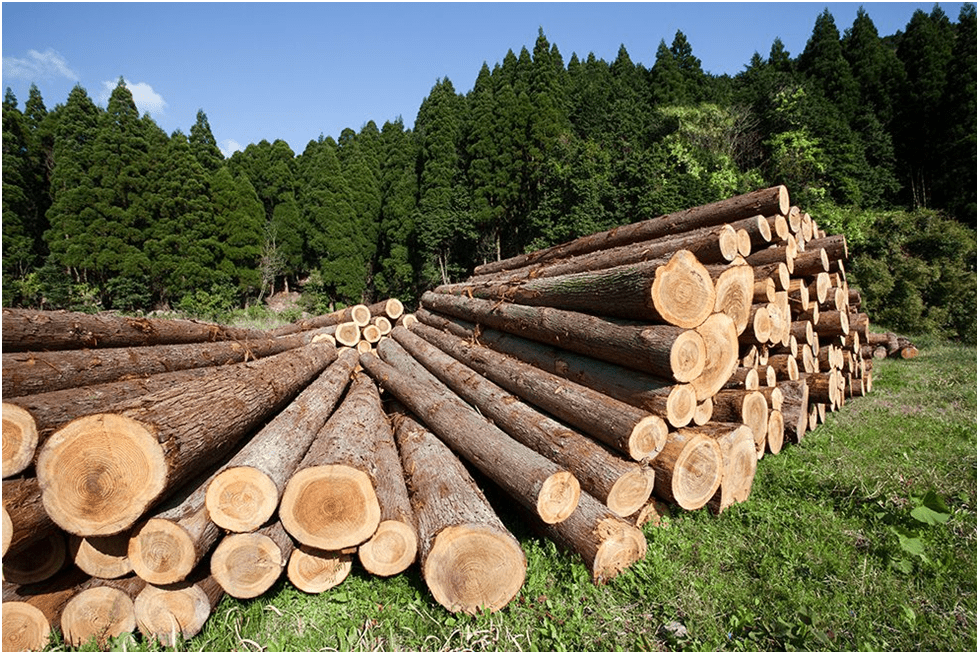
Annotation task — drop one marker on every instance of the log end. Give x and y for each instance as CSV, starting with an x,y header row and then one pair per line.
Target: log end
x,y
783,200
8,531
25,629
740,465
681,405
688,356
19,439
705,411
98,474
683,291
247,565
647,438
162,552
631,491
720,338
330,507
696,473
360,314
99,613
471,567
390,550
348,334
558,497
316,571
171,614
622,545
241,499
776,431
105,557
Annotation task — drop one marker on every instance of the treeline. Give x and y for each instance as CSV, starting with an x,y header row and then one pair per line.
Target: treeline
x,y
876,136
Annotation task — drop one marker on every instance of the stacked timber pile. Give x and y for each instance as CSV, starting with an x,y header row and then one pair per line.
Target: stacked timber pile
x,y
150,467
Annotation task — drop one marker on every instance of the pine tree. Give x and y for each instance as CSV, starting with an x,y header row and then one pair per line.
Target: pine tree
x,y
395,272
203,144
19,255
240,221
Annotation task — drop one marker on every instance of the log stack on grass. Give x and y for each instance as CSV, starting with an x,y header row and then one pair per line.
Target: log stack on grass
x,y
588,383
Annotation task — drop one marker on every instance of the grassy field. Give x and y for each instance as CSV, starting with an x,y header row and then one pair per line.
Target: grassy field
x,y
861,538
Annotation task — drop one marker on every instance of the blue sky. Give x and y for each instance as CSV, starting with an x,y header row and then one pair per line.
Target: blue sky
x,y
295,71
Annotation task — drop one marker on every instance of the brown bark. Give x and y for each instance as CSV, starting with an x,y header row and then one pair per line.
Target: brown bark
x,y
178,611
104,557
784,254
720,339
621,485
391,308
245,493
29,521
688,470
766,202
811,262
131,459
329,502
248,564
664,350
737,446
763,290
26,373
779,226
469,560
37,560
676,403
101,612
785,365
358,314
30,330
835,246
832,323
777,272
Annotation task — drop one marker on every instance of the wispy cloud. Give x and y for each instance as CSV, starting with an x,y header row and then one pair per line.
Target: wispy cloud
x,y
38,65
229,146
147,100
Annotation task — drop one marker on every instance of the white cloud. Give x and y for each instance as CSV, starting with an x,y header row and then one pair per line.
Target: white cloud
x,y
38,65
229,147
147,100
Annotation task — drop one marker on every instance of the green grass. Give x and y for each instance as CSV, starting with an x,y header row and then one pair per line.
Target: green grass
x,y
831,552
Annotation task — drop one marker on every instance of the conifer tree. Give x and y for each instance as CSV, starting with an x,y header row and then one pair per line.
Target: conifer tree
x,y
239,220
203,144
398,182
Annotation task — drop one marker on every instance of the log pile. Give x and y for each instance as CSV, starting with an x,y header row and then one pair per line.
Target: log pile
x,y
587,382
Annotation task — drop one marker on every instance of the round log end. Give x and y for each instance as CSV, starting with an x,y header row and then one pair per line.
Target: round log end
x,y
721,343
735,290
622,545
241,499
37,561
728,243
99,474
330,507
247,565
558,497
169,614
754,414
391,550
19,439
347,333
783,200
8,531
408,319
705,411
470,568
360,314
740,464
394,308
683,291
631,491
25,629
105,557
647,438
162,552
744,242
101,613
697,473
316,571
776,432
681,405
688,356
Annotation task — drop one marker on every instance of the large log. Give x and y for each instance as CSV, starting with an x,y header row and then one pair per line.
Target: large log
x,y
675,403
469,560
740,462
766,202
540,485
245,494
720,337
329,502
676,291
175,613
689,469
734,291
358,314
130,460
666,351
621,485
29,330
248,564
631,431
29,522
26,373
101,612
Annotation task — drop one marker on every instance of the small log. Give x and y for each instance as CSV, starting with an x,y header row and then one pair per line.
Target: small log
x,y
533,481
777,272
795,407
737,445
20,439
779,254
317,571
383,325
704,413
819,288
747,407
720,338
133,458
688,470
759,329
348,333
391,308
177,612
248,564
245,494
358,314
29,522
775,436
734,292
371,334
763,290
36,561
744,379
31,611
811,262
785,365
104,557
101,612
666,351
832,323
469,560
621,485
25,628
779,226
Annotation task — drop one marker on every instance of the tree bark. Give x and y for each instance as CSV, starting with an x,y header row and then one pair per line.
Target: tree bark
x,y
248,564
675,403
832,323
101,612
811,262
358,314
663,350
766,202
621,485
29,330
29,521
469,560
779,254
688,470
131,459
245,494
159,611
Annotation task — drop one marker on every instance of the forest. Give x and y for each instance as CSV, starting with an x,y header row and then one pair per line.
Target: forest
x,y
875,136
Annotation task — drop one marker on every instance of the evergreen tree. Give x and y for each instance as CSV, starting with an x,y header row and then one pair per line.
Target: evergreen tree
x,y
667,82
240,220
203,144
395,272
19,254
694,79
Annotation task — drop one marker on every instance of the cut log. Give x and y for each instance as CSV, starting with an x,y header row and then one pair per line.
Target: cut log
x,y
358,314
811,262
832,323
469,561
676,403
759,329
765,202
30,330
27,373
533,481
371,334
104,557
747,407
245,495
330,503
37,560
737,445
734,286
25,628
20,439
704,413
317,571
664,350
720,338
129,460
101,612
383,325
785,365
171,614
775,435
621,485
688,470
247,565
780,254
31,611
348,334
29,522
779,226
392,309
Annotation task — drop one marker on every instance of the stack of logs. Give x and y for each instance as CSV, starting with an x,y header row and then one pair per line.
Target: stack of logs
x,y
175,461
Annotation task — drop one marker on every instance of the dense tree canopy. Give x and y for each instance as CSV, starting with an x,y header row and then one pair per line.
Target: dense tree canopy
x,y
872,134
